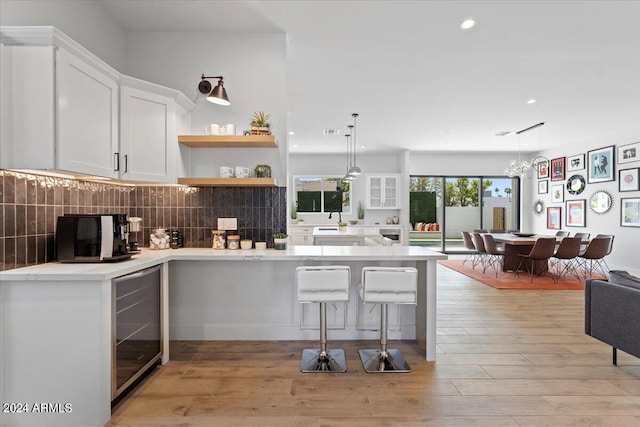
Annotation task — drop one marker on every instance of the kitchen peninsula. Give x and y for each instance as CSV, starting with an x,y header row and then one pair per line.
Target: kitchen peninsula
x,y
57,318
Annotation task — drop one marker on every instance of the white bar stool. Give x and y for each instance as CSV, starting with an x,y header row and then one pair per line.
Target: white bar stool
x,y
323,284
387,285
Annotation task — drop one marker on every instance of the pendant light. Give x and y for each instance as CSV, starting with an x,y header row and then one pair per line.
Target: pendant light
x,y
348,177
354,170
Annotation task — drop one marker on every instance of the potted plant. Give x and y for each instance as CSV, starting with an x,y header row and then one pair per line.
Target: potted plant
x,y
280,241
262,171
260,123
342,226
360,211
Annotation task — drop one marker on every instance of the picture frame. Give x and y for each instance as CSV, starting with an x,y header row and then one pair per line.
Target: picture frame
x,y
601,166
554,218
543,169
629,153
575,213
628,180
575,163
557,169
543,186
630,212
557,193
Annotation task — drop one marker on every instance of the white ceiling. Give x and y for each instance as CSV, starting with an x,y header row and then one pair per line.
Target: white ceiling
x,y
421,83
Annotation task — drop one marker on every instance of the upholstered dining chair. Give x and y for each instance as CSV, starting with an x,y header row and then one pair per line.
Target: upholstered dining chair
x,y
562,260
562,234
542,250
480,249
471,248
495,255
592,259
583,236
480,230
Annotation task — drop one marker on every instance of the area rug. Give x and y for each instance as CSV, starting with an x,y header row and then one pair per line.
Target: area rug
x,y
508,280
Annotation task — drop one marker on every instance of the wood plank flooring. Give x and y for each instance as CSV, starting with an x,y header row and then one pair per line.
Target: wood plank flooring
x,y
505,358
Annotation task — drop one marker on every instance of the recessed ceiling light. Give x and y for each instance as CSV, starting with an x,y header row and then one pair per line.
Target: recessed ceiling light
x,y
531,101
292,133
363,146
468,23
295,146
331,131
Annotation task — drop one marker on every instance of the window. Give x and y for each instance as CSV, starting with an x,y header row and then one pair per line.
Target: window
x,y
322,194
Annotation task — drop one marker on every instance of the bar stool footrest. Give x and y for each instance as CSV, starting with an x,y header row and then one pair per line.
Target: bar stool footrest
x,y
375,361
313,360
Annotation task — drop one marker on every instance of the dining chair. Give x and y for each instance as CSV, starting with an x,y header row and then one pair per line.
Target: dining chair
x,y
562,260
592,259
496,230
610,248
471,248
480,230
495,255
562,234
584,237
480,249
542,250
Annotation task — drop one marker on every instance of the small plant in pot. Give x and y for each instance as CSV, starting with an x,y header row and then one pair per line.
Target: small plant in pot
x,y
342,226
280,241
260,123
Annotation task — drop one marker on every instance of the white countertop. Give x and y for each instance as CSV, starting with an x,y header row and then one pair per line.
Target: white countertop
x,y
55,271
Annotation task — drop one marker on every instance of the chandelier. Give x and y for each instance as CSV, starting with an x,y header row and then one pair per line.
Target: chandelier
x,y
521,168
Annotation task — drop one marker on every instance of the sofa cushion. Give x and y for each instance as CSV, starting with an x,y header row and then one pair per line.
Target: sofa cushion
x,y
620,277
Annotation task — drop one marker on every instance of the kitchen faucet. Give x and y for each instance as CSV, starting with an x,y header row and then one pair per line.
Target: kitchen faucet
x,y
339,215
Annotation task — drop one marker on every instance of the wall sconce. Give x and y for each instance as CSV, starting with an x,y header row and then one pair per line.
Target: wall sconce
x,y
217,95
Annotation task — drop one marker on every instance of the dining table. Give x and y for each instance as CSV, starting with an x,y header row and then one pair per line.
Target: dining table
x,y
521,243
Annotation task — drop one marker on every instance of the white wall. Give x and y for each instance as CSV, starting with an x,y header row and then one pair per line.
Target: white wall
x,y
627,239
86,22
254,70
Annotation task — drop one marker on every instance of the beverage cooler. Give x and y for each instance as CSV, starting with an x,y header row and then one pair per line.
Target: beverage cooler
x,y
136,326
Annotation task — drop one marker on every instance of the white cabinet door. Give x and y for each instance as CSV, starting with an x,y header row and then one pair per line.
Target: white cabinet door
x,y
148,138
301,235
87,117
382,191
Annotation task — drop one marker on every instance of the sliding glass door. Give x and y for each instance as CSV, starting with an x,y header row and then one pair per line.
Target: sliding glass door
x,y
442,207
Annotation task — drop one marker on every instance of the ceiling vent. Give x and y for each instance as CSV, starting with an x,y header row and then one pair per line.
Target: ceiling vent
x,y
331,131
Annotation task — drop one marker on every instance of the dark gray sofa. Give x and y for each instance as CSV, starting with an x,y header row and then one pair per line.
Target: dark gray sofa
x,y
612,311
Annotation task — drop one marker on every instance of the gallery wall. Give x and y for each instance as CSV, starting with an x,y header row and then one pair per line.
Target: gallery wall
x,y
625,249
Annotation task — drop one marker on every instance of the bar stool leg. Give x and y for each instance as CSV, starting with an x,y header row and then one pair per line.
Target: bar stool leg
x,y
323,360
383,359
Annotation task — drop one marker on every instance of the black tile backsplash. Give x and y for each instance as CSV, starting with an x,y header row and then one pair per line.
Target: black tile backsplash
x,y
30,204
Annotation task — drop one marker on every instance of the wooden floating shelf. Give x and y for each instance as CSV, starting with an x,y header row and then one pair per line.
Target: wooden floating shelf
x,y
228,182
235,141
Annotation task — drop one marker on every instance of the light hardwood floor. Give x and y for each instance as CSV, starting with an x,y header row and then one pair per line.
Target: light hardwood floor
x,y
505,358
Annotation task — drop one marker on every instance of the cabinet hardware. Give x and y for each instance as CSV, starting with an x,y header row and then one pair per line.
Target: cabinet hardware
x,y
117,161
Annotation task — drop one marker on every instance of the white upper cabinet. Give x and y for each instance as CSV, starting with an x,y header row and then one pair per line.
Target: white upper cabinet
x,y
148,139
87,102
382,191
63,108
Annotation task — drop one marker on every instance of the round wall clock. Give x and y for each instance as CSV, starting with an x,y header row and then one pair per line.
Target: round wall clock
x,y
576,184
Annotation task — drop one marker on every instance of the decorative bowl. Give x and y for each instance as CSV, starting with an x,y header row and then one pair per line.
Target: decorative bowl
x,y
353,222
